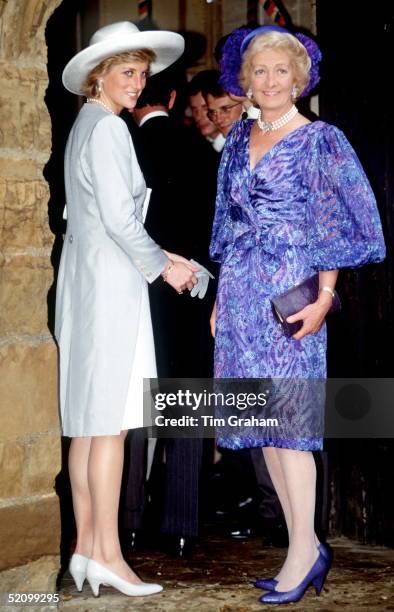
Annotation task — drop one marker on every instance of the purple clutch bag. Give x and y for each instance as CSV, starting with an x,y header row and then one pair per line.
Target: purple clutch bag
x,y
295,299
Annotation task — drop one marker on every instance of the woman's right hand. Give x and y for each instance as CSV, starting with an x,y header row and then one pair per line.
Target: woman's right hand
x,y
212,320
179,276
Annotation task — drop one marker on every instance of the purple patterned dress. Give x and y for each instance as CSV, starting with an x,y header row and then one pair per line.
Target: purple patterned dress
x,y
306,206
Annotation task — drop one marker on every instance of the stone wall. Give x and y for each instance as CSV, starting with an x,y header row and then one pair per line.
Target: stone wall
x,y
29,434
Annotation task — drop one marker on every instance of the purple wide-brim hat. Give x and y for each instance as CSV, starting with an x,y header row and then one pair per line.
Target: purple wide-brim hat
x,y
236,45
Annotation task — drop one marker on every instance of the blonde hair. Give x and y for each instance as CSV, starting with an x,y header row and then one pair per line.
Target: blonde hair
x,y
299,58
90,86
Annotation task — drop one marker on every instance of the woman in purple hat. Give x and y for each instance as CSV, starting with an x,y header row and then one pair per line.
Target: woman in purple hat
x,y
293,201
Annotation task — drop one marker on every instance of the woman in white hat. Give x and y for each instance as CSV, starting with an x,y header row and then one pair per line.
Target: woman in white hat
x,y
103,325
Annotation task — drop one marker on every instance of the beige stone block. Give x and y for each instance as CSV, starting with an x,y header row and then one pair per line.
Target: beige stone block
x,y
15,71
24,36
29,529
42,465
24,285
21,169
28,389
24,214
35,577
12,462
25,122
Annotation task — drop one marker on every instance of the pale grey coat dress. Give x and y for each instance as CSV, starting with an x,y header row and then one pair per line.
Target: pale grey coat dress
x,y
106,260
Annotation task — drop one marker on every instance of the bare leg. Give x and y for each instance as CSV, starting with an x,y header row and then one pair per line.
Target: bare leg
x,y
78,469
104,474
272,459
278,480
299,471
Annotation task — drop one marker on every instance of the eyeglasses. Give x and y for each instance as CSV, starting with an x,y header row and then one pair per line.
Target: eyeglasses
x,y
223,110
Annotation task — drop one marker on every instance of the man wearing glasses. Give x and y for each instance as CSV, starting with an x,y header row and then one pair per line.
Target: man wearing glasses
x,y
223,110
198,106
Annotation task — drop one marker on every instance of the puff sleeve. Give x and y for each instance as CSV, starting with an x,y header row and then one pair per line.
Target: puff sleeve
x,y
343,224
221,229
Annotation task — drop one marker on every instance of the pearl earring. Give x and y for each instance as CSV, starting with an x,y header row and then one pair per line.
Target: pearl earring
x,y
249,93
99,88
294,92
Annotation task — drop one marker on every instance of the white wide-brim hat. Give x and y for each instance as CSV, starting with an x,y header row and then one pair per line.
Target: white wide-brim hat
x,y
116,38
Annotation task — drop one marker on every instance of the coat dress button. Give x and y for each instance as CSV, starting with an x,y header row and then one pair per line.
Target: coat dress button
x,y
71,238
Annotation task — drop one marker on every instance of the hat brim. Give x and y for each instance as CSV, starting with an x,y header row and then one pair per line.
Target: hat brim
x,y
168,47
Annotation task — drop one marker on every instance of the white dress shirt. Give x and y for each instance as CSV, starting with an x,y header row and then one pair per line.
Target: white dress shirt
x,y
157,113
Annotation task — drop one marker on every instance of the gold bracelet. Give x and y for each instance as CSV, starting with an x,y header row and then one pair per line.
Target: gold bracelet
x,y
167,270
329,290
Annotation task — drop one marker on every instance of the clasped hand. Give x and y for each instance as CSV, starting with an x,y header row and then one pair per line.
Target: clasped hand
x,y
312,316
181,273
185,274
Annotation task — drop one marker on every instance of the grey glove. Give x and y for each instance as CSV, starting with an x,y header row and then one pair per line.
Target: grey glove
x,y
203,275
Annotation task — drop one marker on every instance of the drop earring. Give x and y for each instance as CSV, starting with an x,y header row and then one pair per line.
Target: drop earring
x,y
294,92
249,93
99,88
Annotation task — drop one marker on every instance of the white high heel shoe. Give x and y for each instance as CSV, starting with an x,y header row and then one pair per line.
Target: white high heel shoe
x,y
77,569
97,574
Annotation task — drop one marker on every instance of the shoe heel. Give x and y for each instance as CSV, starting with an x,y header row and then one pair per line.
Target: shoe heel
x,y
79,578
95,585
318,582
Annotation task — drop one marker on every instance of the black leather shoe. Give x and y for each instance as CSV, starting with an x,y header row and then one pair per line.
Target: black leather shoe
x,y
179,546
242,533
131,539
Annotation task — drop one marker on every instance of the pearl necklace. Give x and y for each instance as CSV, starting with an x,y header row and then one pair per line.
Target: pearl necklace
x,y
269,126
96,101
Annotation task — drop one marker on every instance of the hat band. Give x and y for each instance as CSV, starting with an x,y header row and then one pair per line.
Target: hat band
x,y
261,30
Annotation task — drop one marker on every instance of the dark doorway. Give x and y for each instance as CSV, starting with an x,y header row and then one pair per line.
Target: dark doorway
x,y
357,45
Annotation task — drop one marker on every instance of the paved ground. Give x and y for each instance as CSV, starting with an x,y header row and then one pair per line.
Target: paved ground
x,y
218,579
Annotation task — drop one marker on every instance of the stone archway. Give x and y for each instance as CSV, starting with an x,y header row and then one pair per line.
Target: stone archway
x,y
29,436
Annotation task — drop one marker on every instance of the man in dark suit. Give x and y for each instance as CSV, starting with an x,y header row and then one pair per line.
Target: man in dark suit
x,y
179,218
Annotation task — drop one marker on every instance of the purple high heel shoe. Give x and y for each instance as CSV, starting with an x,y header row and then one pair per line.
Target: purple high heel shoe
x,y
316,577
269,584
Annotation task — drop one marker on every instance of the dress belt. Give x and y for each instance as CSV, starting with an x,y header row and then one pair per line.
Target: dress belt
x,y
271,241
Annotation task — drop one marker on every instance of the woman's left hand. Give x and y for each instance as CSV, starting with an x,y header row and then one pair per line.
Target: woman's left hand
x,y
179,259
312,316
